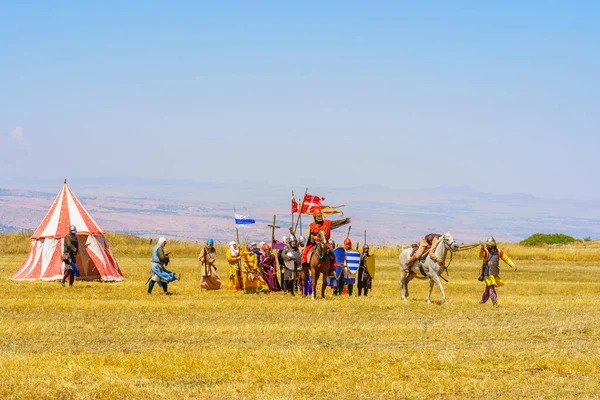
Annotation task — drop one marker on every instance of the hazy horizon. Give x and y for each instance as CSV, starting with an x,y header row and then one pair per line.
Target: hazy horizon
x,y
499,97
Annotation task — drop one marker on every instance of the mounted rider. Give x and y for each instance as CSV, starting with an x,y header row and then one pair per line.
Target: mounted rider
x,y
313,232
429,241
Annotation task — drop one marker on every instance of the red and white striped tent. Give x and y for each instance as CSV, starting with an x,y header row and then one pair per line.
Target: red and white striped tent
x,y
44,261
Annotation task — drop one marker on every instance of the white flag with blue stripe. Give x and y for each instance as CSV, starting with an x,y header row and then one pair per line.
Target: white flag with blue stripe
x,y
243,220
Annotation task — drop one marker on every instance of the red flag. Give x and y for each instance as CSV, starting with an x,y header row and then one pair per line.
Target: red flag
x,y
310,202
294,204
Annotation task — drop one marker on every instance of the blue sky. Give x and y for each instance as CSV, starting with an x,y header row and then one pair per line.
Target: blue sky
x,y
503,97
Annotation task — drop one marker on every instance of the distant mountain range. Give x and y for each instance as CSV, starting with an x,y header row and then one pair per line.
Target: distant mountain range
x,y
195,211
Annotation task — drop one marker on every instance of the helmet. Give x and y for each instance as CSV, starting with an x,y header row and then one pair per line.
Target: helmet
x,y
317,214
347,243
210,242
293,239
252,244
265,247
302,240
490,242
249,247
72,229
332,242
285,239
366,247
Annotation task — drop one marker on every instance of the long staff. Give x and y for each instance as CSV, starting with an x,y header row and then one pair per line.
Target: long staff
x,y
300,212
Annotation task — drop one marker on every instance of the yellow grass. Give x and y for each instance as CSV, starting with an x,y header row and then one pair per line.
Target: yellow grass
x,y
112,341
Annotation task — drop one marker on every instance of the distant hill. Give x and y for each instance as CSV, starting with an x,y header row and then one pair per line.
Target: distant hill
x,y
195,211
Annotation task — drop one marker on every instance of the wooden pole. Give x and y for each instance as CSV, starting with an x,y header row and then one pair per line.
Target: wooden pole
x,y
292,209
273,227
300,211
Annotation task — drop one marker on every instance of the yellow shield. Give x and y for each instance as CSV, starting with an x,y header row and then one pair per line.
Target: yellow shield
x,y
370,264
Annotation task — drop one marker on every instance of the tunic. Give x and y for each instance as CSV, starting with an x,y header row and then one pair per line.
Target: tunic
x,y
210,279
253,283
269,266
234,271
491,266
291,254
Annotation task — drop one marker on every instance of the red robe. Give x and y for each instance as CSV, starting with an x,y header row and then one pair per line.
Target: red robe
x,y
313,233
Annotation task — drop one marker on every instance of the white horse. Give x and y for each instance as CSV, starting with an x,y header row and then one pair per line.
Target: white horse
x,y
429,268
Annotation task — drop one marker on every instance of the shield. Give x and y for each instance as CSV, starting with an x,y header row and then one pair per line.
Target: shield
x,y
340,257
291,265
370,264
352,261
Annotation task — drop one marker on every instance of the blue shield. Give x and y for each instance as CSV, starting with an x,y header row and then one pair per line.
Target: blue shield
x,y
340,257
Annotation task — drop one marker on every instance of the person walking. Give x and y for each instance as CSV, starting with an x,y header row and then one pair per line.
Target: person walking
x,y
210,280
70,251
160,275
490,270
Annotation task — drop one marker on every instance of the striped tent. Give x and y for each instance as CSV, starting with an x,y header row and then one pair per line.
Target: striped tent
x,y
44,261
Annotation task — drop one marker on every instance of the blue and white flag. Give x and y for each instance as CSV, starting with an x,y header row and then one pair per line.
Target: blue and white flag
x,y
243,220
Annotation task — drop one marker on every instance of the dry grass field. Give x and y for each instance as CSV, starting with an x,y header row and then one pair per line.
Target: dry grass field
x,y
112,341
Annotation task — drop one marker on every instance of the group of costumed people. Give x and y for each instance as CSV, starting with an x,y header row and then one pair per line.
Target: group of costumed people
x,y
255,269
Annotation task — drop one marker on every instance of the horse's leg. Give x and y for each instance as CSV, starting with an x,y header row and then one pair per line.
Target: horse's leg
x,y
431,283
324,284
404,279
313,274
301,282
438,282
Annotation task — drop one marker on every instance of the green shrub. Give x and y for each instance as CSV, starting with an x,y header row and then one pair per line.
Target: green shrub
x,y
545,238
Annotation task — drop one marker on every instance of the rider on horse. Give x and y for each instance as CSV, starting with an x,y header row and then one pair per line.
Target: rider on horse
x,y
430,240
313,232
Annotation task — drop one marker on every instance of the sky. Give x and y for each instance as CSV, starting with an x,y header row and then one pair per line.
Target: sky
x,y
502,97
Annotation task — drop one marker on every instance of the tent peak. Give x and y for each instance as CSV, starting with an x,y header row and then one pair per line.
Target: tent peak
x,y
65,181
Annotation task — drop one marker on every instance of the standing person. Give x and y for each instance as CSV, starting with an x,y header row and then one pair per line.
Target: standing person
x,y
234,267
490,270
253,283
208,256
292,260
281,263
70,251
256,250
332,280
269,267
364,278
160,275
346,278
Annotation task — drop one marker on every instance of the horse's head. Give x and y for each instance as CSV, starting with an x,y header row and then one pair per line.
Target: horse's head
x,y
449,242
322,237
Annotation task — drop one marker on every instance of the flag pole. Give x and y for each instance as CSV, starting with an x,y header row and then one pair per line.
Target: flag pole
x,y
300,211
292,208
237,231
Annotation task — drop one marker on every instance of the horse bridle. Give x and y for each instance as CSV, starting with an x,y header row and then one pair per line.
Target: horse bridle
x,y
322,242
448,247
